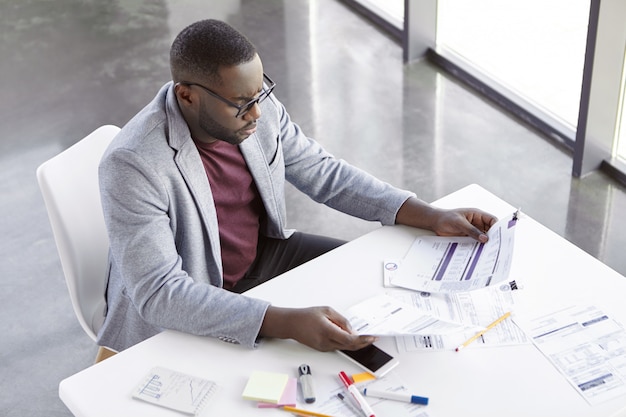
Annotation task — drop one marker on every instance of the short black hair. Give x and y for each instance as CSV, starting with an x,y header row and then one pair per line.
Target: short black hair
x,y
202,48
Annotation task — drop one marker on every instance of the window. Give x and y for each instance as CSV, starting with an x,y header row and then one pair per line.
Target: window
x,y
619,151
531,52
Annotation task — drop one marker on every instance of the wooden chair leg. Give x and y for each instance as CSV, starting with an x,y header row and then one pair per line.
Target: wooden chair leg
x,y
104,353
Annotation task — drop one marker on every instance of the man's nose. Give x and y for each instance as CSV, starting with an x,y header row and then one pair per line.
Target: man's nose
x,y
254,113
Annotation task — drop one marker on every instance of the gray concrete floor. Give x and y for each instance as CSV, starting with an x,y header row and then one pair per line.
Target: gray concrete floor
x,y
70,66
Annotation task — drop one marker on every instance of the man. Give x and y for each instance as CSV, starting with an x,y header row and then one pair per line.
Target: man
x,y
193,197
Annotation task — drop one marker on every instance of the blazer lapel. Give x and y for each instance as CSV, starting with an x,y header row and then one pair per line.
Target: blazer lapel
x,y
255,159
188,161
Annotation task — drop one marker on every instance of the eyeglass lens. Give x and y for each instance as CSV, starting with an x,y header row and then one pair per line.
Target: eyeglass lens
x,y
264,94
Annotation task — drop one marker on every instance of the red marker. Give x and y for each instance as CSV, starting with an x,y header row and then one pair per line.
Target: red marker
x,y
363,405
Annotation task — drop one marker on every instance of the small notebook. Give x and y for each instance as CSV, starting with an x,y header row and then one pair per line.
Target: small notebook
x,y
175,390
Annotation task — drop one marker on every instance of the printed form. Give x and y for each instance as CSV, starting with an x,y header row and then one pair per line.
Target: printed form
x,y
586,346
452,264
383,315
478,308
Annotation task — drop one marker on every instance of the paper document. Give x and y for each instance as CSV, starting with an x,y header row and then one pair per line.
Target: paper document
x,y
384,315
477,308
176,390
451,264
586,346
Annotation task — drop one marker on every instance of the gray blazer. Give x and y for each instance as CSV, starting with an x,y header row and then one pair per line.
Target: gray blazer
x,y
165,267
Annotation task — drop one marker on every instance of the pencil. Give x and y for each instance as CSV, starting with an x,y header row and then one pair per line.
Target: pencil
x,y
482,332
303,412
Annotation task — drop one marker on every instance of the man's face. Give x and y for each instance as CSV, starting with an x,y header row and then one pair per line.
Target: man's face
x,y
240,85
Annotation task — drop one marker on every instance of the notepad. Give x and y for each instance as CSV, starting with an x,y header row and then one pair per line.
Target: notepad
x,y
266,387
288,396
176,390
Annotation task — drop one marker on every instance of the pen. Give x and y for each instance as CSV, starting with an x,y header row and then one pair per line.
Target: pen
x,y
482,332
303,412
396,396
347,403
306,383
365,407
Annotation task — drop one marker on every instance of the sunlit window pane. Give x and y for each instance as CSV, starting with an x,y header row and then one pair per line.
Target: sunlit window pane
x,y
535,48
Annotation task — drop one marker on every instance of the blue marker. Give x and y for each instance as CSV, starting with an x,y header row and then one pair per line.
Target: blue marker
x,y
396,396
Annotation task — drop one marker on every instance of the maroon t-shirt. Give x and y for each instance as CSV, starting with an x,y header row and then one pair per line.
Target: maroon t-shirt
x,y
238,204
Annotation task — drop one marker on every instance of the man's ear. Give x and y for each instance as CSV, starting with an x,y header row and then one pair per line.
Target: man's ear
x,y
183,94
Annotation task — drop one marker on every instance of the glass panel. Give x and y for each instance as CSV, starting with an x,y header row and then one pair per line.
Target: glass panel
x,y
390,10
534,48
620,146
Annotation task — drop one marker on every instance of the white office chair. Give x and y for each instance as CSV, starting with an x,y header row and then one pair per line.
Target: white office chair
x,y
69,184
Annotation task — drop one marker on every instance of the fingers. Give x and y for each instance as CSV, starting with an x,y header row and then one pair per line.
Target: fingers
x,y
340,335
470,222
481,225
478,218
328,330
360,343
477,234
321,328
341,340
352,342
338,320
485,220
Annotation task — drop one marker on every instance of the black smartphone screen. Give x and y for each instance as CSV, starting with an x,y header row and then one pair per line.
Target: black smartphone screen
x,y
370,357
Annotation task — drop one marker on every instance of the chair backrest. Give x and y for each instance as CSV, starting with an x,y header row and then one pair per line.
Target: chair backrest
x,y
69,184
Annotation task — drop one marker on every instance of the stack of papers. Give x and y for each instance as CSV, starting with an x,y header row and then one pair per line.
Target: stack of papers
x,y
444,291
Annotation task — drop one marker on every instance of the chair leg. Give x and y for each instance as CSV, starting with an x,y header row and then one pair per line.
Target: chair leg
x,y
104,353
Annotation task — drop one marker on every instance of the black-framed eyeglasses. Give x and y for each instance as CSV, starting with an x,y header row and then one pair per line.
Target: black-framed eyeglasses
x,y
243,109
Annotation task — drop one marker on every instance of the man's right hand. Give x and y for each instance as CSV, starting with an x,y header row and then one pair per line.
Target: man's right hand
x,y
321,328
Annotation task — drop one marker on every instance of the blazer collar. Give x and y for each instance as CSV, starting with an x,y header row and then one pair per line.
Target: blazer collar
x,y
178,131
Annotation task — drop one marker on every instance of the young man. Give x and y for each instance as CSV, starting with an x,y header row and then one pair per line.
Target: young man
x,y
193,197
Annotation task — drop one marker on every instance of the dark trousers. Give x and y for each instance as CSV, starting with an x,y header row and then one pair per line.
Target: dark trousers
x,y
275,256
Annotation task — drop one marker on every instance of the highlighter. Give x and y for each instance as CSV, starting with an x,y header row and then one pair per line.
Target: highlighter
x,y
306,383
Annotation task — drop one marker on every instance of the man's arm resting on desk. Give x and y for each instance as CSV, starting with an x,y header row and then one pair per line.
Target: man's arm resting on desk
x,y
455,222
321,328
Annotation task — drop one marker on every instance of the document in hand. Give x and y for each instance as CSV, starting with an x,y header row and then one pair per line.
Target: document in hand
x,y
383,315
451,264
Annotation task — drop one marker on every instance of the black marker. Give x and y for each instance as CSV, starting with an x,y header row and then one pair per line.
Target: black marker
x,y
306,383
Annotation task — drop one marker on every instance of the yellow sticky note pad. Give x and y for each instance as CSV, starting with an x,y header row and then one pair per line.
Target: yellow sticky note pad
x,y
362,377
265,386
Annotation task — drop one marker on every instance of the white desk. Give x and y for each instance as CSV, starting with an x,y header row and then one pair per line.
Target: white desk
x,y
511,381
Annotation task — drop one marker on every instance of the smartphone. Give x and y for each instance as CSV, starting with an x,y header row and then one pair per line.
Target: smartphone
x,y
372,359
